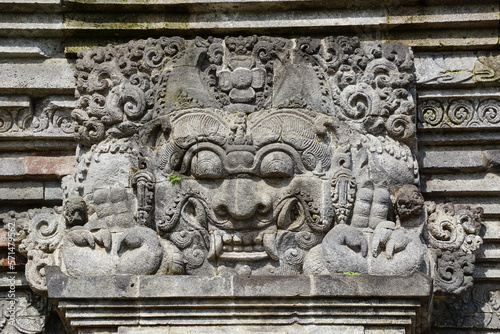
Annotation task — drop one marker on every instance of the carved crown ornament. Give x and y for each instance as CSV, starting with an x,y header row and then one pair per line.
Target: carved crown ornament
x,y
249,156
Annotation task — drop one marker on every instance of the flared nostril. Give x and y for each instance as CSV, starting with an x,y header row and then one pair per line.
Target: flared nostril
x,y
263,208
221,210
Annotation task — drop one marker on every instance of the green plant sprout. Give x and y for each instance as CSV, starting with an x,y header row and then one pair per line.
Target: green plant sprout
x,y
173,178
351,273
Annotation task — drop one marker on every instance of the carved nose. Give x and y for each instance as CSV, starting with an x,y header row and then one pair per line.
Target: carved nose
x,y
241,199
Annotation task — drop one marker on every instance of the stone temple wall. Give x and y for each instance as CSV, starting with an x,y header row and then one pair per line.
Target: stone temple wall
x,y
456,98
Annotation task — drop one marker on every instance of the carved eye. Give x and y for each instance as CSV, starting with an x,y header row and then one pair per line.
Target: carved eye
x,y
277,164
206,164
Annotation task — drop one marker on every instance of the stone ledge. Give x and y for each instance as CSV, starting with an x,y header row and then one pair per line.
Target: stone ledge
x,y
225,304
171,286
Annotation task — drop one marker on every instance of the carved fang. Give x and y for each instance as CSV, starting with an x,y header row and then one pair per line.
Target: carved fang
x,y
269,242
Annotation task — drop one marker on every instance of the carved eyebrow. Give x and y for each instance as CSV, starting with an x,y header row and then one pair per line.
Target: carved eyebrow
x,y
255,169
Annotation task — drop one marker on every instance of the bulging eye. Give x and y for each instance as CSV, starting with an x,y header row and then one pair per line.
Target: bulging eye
x,y
277,164
206,164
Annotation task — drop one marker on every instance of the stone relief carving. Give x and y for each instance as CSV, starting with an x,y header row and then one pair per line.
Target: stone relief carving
x,y
453,233
40,233
246,155
31,313
459,112
459,68
474,308
52,116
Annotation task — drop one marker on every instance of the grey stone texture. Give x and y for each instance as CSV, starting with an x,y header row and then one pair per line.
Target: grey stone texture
x,y
455,46
328,303
242,161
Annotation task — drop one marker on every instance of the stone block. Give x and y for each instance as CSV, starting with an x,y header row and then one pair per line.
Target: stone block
x,y
492,230
228,329
94,286
30,48
22,190
48,76
489,252
189,286
48,165
53,191
11,167
484,270
492,160
370,285
462,183
264,286
448,158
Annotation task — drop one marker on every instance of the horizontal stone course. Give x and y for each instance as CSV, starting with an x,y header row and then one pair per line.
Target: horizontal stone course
x,y
462,183
22,190
36,165
36,78
62,286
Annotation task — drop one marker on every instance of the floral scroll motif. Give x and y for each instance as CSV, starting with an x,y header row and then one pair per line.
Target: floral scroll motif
x,y
459,112
452,232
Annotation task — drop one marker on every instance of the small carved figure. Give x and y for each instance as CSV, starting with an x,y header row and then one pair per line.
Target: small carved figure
x,y
75,211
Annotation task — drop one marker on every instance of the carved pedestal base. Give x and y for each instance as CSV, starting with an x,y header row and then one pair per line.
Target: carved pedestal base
x,y
242,304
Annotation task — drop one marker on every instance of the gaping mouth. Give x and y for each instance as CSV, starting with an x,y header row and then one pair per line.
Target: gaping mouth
x,y
246,246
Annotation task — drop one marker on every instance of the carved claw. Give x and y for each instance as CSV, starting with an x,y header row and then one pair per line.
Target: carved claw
x,y
381,237
129,239
397,243
103,238
82,238
352,238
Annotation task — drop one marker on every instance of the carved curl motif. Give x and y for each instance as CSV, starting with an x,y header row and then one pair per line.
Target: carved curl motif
x,y
453,112
40,233
453,233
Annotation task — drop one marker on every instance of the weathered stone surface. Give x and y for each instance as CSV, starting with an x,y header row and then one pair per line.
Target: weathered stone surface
x,y
458,29
267,122
21,190
53,191
312,329
255,165
11,167
171,286
457,69
452,159
30,312
336,302
468,24
460,183
29,77
51,165
459,112
30,48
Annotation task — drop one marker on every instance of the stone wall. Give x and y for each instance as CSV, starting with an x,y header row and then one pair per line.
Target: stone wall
x,y
457,62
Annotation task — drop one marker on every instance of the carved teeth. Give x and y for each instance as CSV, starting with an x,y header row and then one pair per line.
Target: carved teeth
x,y
247,239
237,240
245,243
270,245
227,239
